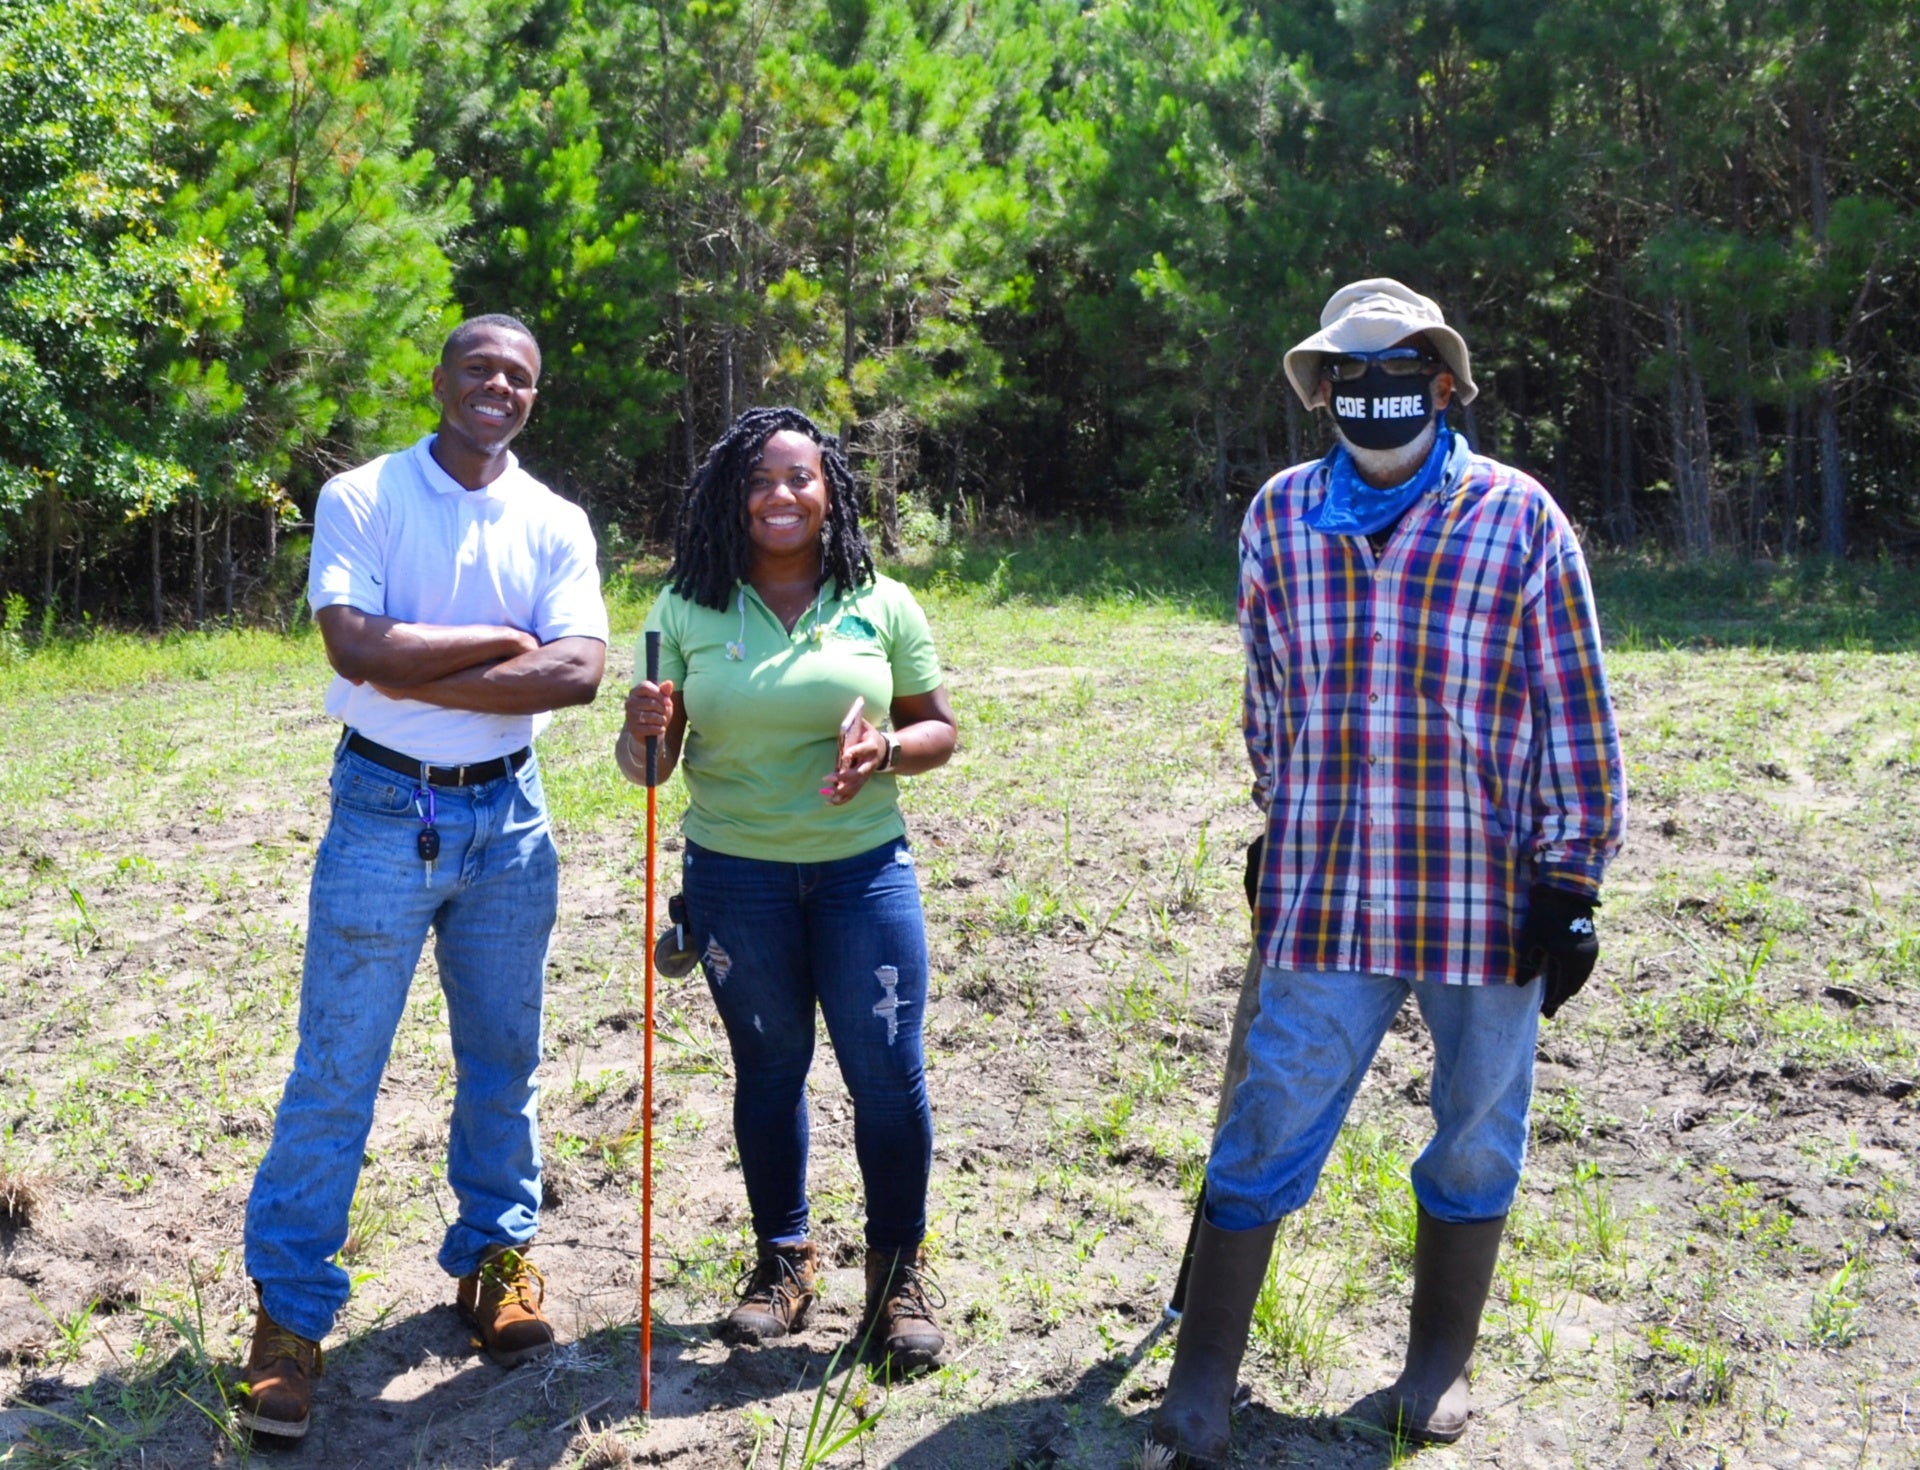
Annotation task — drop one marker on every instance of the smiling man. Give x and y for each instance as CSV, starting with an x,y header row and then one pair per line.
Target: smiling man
x,y
460,605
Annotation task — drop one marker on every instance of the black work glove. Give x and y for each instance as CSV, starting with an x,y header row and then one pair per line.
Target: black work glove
x,y
1558,941
1256,849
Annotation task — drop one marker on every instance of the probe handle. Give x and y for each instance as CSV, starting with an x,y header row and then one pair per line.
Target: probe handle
x,y
653,677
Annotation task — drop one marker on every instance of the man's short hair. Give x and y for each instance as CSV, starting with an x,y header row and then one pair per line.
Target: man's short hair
x,y
473,326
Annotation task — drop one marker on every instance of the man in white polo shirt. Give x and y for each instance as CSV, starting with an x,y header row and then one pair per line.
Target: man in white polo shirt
x,y
460,605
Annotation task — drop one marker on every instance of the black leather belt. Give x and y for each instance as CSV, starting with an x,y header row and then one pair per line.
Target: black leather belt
x,y
496,769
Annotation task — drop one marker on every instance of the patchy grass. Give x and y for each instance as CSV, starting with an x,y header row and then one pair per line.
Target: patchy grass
x,y
1712,1260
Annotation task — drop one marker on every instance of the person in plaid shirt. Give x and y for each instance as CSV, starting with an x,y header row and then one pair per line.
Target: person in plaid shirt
x,y
1433,743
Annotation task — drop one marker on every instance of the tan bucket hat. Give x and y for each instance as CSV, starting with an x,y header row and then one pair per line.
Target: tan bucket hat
x,y
1370,315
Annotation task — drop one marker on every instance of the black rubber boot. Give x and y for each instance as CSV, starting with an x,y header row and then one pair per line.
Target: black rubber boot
x,y
1194,1418
1452,1273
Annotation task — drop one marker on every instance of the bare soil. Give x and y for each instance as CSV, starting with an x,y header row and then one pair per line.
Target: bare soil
x,y
1717,1135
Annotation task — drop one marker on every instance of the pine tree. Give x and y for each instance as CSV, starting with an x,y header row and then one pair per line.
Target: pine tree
x,y
89,275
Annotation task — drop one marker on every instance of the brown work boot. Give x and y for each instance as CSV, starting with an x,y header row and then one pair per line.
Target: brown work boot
x,y
898,1327
774,1294
276,1395
501,1301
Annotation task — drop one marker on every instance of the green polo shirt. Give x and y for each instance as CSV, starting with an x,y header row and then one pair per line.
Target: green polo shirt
x,y
763,728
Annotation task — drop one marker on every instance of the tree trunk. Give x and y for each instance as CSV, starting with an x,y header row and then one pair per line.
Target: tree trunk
x,y
50,535
686,379
1833,485
1753,488
1699,438
153,548
226,560
1793,497
1696,524
1833,489
199,562
1222,519
669,147
1522,436
726,365
889,507
847,259
1469,425
1622,526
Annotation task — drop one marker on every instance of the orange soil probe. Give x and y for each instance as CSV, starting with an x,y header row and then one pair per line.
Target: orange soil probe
x,y
646,1084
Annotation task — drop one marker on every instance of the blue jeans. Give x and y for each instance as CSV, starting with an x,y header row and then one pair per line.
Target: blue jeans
x,y
775,939
491,907
1307,1052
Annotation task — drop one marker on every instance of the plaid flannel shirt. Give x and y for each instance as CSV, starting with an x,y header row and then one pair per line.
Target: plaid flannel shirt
x,y
1430,732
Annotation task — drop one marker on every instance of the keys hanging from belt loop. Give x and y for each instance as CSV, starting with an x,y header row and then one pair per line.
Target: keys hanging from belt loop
x,y
427,844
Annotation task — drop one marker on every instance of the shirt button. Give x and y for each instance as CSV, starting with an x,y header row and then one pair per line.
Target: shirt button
x,y
1373,760
1378,637
1373,699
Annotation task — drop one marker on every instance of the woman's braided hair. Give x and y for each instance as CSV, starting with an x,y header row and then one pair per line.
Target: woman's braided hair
x,y
711,552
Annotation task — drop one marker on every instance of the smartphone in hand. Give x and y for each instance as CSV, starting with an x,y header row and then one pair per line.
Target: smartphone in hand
x,y
847,727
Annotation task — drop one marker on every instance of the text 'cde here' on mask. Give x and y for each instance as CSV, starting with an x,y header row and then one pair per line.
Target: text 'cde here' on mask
x,y
1381,400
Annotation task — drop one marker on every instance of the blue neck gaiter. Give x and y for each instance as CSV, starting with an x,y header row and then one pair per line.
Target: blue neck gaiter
x,y
1355,508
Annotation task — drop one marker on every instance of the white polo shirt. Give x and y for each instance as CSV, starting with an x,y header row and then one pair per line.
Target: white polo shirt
x,y
401,538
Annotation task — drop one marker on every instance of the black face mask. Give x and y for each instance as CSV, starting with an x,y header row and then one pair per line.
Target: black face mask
x,y
1378,410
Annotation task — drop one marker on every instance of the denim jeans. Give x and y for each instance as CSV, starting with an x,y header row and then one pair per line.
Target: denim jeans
x,y
490,905
775,939
1308,1050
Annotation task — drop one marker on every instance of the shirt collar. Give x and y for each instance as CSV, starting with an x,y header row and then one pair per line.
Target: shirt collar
x,y
443,483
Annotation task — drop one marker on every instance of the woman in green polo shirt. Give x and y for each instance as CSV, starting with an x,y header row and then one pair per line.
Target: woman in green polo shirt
x,y
799,888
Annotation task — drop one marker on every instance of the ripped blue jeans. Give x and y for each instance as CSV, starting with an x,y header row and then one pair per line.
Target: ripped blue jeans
x,y
775,939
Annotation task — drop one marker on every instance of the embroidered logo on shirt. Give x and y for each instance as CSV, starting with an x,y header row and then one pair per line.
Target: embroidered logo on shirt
x,y
858,629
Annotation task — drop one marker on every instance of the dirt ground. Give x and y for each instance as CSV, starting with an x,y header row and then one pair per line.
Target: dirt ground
x,y
1714,1261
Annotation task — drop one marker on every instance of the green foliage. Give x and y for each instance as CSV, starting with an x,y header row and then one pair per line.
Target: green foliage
x,y
1194,219
331,225
559,238
1035,258
88,272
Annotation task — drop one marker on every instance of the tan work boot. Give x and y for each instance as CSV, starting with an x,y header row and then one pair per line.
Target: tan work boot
x,y
774,1295
1195,1417
276,1396
898,1327
1452,1273
501,1301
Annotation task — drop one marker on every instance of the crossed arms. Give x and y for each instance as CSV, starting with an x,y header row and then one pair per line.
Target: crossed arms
x,y
477,666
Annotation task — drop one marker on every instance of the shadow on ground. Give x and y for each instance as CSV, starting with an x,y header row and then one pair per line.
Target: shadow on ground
x,y
416,1390
1050,1431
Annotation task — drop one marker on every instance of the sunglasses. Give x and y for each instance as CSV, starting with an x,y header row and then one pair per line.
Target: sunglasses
x,y
1395,362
